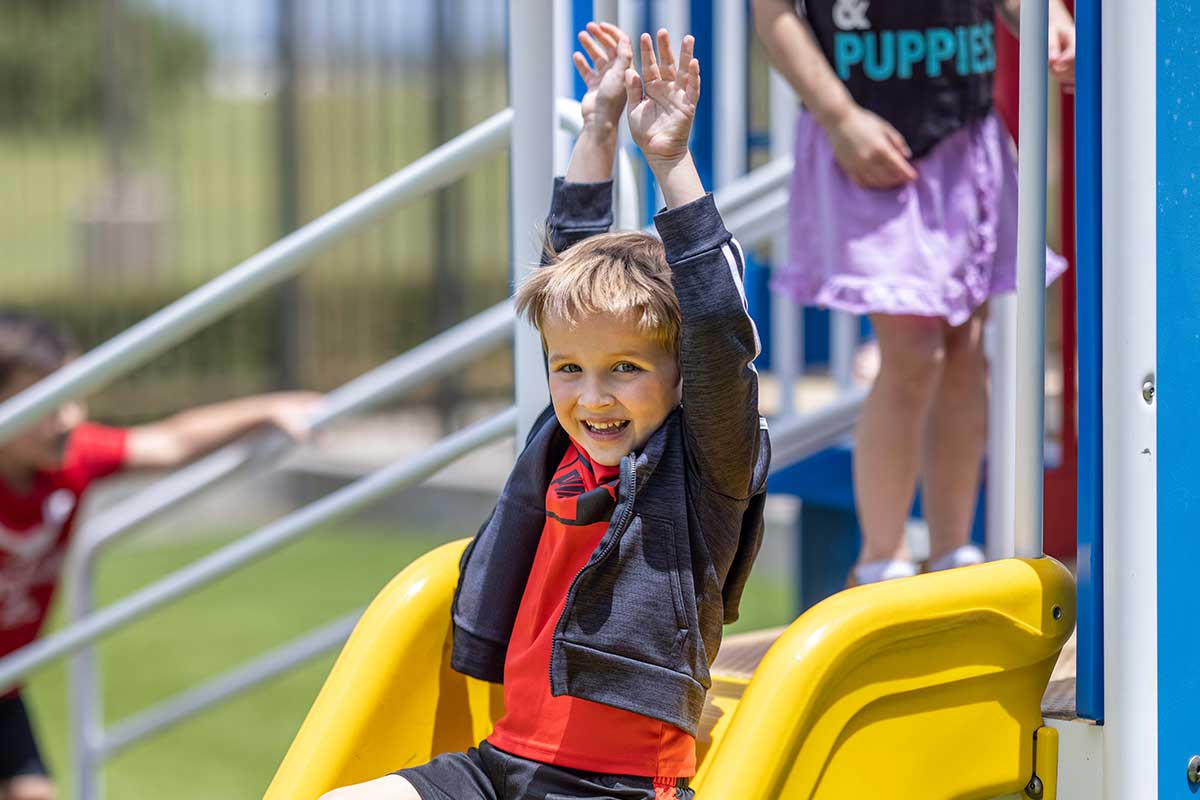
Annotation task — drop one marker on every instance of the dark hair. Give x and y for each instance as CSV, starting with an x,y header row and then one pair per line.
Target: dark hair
x,y
28,341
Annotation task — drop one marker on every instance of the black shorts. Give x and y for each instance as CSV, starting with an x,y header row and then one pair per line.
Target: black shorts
x,y
18,749
485,773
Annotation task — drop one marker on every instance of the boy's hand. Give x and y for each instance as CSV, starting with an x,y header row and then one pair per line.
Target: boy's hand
x,y
611,53
662,101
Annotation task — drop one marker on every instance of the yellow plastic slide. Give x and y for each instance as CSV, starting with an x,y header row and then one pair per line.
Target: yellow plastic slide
x,y
927,687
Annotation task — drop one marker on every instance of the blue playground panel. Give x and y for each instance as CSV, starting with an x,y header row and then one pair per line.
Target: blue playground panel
x,y
829,536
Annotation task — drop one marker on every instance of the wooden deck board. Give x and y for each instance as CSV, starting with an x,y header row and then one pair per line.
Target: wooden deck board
x,y
741,654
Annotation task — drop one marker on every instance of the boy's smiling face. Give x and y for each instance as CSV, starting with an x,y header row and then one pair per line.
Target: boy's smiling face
x,y
612,384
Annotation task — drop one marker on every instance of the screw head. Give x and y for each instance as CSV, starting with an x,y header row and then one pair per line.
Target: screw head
x,y
1148,391
1193,769
1034,789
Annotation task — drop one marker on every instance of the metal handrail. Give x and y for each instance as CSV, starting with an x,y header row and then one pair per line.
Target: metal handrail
x,y
36,654
431,359
250,548
793,439
276,263
427,361
273,265
424,362
226,686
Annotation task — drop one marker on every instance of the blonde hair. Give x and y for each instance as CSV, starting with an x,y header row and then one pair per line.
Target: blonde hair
x,y
611,273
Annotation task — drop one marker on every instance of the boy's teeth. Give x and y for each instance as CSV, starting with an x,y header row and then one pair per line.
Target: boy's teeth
x,y
603,426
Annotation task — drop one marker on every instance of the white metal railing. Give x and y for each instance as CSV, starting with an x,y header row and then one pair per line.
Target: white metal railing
x,y
487,333
748,216
271,266
434,358
174,323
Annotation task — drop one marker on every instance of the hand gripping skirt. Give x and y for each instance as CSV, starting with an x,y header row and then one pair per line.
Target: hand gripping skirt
x,y
940,246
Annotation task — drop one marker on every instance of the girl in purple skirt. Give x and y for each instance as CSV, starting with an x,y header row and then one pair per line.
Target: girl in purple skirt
x,y
904,207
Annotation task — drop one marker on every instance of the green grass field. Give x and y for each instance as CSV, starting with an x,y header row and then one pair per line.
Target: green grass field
x,y
231,752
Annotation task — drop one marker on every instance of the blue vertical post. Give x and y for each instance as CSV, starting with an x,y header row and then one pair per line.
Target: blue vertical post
x,y
581,15
649,186
1178,386
1089,688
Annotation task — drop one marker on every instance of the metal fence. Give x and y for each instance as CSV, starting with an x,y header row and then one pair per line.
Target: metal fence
x,y
272,112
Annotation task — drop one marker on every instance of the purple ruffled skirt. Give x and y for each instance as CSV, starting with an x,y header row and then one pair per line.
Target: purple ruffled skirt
x,y
940,246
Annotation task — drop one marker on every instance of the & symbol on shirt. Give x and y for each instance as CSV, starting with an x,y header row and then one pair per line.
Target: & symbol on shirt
x,y
851,14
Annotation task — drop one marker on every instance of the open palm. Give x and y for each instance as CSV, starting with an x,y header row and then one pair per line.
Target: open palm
x,y
662,101
611,53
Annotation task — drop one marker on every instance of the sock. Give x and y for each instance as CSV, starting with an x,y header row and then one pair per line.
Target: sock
x,y
963,556
877,571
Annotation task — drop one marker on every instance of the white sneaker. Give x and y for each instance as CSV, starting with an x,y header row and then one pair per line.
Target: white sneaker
x,y
876,571
963,556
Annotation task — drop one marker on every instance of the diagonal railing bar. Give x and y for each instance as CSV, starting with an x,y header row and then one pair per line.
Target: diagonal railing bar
x,y
228,685
278,262
427,361
753,206
345,501
793,439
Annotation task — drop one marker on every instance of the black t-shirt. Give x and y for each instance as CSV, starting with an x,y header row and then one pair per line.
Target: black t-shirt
x,y
925,66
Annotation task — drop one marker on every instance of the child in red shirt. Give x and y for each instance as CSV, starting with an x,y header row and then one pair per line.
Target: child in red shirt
x,y
44,472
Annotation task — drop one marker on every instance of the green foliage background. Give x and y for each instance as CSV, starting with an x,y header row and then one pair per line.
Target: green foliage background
x,y
50,54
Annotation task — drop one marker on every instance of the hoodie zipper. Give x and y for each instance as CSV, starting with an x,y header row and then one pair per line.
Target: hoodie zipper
x,y
628,488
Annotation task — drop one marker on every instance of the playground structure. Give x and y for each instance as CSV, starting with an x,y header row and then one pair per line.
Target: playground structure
x,y
930,687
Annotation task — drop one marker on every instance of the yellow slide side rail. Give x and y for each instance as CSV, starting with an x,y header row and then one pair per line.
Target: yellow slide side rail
x,y
927,687
391,699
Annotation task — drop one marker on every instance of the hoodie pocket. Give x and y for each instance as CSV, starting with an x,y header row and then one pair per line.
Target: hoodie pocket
x,y
631,604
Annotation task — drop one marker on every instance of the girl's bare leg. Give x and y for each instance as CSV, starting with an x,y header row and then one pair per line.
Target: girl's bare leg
x,y
891,430
955,439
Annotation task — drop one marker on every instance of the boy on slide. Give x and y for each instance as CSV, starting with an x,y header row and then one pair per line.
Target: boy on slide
x,y
597,590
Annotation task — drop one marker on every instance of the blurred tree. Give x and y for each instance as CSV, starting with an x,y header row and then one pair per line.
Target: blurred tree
x,y
52,61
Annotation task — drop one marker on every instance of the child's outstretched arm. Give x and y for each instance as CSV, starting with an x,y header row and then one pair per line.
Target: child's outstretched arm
x,y
718,341
190,434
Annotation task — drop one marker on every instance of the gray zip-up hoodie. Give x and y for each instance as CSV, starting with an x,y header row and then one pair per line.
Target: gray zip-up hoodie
x,y
643,618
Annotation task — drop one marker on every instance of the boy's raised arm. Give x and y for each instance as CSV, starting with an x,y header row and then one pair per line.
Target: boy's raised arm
x,y
582,201
718,339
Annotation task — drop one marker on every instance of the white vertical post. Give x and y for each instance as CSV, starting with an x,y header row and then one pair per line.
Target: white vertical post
x,y
564,77
531,174
675,16
627,15
606,11
1031,283
1129,254
787,332
87,715
729,26
843,342
1002,417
